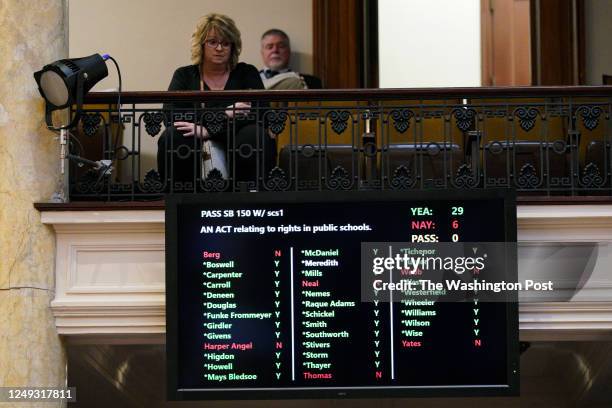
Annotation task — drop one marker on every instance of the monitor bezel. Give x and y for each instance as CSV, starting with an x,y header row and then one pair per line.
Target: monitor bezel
x,y
174,201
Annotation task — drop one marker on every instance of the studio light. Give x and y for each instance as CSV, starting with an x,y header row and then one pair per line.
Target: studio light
x,y
65,82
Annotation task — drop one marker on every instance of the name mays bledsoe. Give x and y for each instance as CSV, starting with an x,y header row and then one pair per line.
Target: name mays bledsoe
x,y
414,266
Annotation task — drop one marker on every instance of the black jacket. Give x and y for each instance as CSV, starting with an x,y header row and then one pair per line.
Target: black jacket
x,y
312,81
187,78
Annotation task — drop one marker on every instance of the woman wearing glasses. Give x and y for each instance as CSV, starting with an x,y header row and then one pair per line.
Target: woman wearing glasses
x,y
215,47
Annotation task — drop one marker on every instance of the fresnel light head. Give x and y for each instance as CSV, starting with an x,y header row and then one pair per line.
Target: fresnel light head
x,y
65,82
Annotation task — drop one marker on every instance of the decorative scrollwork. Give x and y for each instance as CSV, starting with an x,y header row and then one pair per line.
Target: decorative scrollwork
x,y
152,122
122,153
90,182
527,117
590,116
120,187
490,112
339,179
527,177
465,118
559,146
125,118
402,179
183,186
557,111
370,184
276,121
339,121
307,184
277,180
308,150
91,123
152,182
560,181
214,181
182,116
214,121
369,149
465,177
401,119
433,149
496,147
591,177
497,181
432,114
308,116
369,114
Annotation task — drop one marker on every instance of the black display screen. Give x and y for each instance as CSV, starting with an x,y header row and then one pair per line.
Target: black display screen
x,y
265,298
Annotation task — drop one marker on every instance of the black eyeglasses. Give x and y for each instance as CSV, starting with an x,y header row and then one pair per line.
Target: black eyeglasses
x,y
214,43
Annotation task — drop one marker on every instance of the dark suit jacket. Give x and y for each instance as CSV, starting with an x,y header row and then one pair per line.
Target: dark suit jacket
x,y
312,81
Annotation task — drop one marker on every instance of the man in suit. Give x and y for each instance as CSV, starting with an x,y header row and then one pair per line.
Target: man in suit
x,y
276,74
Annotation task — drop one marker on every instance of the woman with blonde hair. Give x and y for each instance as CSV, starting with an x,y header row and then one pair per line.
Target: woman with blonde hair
x,y
215,48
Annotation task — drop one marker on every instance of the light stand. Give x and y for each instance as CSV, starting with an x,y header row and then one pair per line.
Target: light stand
x,y
63,84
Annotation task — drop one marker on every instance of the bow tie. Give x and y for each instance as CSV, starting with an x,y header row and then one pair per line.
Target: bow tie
x,y
268,73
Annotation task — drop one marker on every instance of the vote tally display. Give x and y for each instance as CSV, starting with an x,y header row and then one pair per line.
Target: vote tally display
x,y
332,295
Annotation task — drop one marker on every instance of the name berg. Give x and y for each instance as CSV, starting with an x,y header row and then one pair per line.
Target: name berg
x,y
211,255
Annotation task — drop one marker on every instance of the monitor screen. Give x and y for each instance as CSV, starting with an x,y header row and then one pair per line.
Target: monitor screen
x,y
297,295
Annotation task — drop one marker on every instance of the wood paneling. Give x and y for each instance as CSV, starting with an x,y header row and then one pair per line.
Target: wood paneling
x,y
539,42
506,42
560,51
338,28
486,43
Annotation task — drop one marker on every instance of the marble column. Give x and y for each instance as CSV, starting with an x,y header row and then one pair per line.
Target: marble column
x,y
32,33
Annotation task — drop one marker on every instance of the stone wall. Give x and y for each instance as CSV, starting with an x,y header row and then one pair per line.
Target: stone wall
x,y
32,34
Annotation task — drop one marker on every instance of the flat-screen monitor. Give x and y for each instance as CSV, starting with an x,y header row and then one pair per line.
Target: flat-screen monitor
x,y
274,296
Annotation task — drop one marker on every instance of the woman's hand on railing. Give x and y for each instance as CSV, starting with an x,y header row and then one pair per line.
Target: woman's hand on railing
x,y
191,129
238,109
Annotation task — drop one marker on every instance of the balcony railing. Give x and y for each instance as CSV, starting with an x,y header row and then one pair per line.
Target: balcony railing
x,y
544,141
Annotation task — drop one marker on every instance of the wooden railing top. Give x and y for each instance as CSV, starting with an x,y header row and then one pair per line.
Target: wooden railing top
x,y
161,205
352,94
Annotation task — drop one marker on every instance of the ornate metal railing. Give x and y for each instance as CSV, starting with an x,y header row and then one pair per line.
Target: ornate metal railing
x,y
538,140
